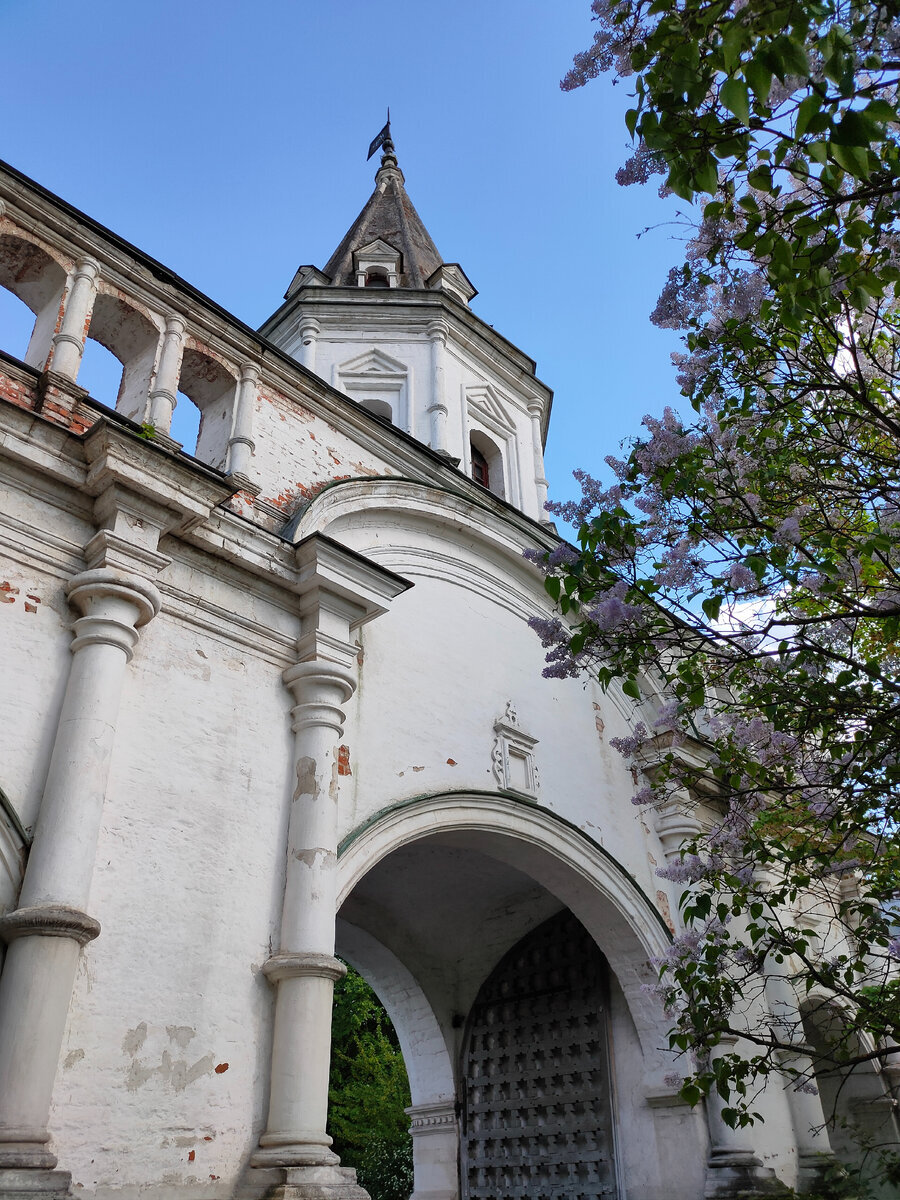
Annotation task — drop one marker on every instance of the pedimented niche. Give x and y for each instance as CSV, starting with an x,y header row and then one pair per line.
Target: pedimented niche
x,y
378,383
513,755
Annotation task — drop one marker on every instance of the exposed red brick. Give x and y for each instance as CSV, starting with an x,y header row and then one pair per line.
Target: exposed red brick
x,y
343,760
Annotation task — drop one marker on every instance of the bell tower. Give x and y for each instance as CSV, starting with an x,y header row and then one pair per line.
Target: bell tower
x,y
388,322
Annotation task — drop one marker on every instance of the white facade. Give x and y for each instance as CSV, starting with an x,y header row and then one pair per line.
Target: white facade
x,y
279,701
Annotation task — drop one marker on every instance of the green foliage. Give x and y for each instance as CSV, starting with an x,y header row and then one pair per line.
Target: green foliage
x,y
368,1092
741,579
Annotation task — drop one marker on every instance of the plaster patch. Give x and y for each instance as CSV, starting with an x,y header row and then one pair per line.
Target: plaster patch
x,y
72,1058
307,783
180,1035
178,1074
134,1038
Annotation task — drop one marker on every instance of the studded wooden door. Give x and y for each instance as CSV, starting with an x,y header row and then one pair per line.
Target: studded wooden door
x,y
537,1115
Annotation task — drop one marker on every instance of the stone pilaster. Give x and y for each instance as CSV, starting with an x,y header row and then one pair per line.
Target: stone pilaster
x,y
437,406
68,341
308,331
339,592
540,479
435,1133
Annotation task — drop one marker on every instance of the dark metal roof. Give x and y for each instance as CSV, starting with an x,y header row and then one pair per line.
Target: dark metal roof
x,y
388,214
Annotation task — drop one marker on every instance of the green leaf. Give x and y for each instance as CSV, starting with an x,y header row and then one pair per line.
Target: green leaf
x,y
853,159
807,109
630,688
760,79
735,95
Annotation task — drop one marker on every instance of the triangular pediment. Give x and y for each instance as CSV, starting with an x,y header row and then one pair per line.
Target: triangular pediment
x,y
487,402
373,363
377,249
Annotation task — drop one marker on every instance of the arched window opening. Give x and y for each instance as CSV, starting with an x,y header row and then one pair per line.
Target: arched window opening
x,y
100,373
185,426
16,325
211,390
39,282
376,277
486,463
380,408
131,338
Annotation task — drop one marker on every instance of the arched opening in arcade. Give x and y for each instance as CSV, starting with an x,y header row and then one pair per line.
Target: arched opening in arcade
x,y
513,972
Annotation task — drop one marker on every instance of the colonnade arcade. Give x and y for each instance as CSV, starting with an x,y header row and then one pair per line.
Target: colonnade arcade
x,y
77,300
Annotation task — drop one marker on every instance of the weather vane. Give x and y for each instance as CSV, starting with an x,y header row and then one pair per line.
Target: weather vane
x,y
383,137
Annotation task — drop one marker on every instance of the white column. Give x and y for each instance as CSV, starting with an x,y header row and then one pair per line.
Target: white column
x,y
339,592
165,386
241,444
309,331
435,1134
437,408
732,1167
68,342
814,1154
304,970
50,925
540,482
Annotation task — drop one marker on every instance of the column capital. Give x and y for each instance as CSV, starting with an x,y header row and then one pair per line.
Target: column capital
x,y
320,688
439,1116
87,268
114,607
175,324
437,331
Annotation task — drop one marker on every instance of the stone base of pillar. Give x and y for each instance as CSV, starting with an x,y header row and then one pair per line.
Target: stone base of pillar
x,y
815,1172
21,1183
733,1175
319,1183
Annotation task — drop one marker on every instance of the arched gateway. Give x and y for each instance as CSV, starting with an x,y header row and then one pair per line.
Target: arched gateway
x,y
512,955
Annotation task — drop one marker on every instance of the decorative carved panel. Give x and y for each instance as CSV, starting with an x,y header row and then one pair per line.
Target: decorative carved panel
x,y
537,1106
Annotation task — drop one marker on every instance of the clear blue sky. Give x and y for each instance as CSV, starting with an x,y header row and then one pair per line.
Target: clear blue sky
x,y
227,138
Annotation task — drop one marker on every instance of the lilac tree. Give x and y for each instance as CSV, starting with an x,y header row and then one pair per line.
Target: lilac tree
x,y
744,566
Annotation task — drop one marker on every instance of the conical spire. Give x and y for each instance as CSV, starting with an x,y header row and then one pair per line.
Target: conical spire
x,y
388,215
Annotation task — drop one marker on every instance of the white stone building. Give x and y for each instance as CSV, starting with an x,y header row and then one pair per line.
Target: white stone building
x,y
275,701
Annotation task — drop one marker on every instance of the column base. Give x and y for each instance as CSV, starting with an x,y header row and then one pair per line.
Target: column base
x,y
737,1175
21,1183
319,1183
817,1172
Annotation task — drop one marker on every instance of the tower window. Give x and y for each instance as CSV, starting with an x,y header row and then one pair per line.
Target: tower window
x,y
480,469
376,278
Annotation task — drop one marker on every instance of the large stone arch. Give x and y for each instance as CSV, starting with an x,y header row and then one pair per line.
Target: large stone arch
x,y
564,860
570,871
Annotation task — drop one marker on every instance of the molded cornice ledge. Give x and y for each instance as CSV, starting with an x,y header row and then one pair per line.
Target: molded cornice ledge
x,y
115,457
340,590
